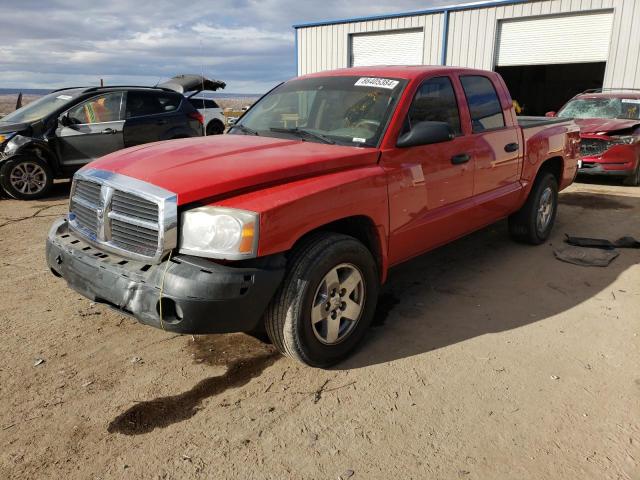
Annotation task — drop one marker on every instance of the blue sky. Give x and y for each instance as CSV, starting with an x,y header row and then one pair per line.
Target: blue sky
x,y
247,43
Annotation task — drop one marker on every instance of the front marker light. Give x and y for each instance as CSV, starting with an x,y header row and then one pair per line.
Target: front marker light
x,y
219,232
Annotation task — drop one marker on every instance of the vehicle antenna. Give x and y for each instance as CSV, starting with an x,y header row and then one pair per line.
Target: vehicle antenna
x,y
204,103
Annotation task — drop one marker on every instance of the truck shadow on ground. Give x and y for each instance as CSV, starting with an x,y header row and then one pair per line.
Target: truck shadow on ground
x,y
244,358
485,283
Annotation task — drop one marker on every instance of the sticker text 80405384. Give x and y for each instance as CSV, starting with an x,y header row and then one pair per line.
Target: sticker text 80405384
x,y
377,82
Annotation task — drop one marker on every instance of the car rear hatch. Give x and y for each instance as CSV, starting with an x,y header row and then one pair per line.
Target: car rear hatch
x,y
192,83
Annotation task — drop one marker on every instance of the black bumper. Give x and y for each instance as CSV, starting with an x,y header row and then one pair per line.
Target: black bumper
x,y
198,296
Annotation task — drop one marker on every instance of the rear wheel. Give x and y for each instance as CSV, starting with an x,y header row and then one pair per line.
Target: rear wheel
x,y
26,177
534,221
633,180
326,302
215,127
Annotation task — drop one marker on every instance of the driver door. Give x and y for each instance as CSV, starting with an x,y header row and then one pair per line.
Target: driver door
x,y
91,129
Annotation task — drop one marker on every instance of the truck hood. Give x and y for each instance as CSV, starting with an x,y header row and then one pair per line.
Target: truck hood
x,y
607,125
207,167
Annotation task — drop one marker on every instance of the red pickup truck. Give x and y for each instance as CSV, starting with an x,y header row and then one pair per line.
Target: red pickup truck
x,y
291,221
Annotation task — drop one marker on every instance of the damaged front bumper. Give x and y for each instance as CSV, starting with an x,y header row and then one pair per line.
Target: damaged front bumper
x,y
195,295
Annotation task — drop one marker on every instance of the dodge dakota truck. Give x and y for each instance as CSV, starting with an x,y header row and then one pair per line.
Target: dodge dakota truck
x,y
289,223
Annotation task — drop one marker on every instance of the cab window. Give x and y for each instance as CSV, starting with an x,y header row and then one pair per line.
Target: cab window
x,y
484,105
100,109
435,101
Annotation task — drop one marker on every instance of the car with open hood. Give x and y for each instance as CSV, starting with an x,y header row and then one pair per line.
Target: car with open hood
x,y
609,122
59,133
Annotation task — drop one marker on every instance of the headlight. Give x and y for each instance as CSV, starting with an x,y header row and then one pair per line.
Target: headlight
x,y
6,136
218,232
624,139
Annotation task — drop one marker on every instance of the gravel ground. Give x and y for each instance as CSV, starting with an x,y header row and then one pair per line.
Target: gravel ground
x,y
488,360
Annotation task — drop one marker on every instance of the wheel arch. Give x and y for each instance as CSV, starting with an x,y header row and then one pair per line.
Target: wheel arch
x,y
554,165
360,227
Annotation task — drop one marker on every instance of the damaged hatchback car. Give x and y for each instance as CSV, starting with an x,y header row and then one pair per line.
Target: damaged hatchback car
x,y
57,134
609,123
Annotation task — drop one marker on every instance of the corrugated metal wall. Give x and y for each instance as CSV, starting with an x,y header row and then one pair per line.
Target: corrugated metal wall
x,y
327,47
473,34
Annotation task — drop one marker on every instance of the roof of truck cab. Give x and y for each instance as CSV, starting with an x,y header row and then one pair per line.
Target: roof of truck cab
x,y
408,72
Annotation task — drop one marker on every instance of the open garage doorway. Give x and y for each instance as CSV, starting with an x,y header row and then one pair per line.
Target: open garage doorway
x,y
543,88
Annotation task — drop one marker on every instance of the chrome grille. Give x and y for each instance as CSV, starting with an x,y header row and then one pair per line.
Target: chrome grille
x,y
132,206
133,237
86,216
590,147
123,215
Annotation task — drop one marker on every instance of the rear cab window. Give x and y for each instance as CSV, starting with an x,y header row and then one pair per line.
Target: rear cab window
x,y
435,101
141,103
484,105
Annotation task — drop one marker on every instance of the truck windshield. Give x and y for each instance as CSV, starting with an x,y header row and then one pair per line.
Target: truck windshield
x,y
344,110
40,108
626,108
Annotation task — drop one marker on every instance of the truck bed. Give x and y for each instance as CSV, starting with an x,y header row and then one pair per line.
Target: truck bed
x,y
530,122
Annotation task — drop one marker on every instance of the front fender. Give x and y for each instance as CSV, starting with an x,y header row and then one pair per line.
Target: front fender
x,y
291,210
20,144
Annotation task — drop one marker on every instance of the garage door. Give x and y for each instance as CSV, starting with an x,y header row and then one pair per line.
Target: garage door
x,y
555,39
387,48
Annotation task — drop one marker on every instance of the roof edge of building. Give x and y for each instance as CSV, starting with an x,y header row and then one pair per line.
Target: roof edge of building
x,y
428,11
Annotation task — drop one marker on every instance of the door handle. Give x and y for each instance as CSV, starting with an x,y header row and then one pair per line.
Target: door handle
x,y
460,159
511,147
108,131
161,122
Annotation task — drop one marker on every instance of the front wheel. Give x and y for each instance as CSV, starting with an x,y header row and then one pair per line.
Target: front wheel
x,y
534,221
26,178
326,302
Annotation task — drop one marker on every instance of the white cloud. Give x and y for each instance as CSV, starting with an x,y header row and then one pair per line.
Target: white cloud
x,y
247,43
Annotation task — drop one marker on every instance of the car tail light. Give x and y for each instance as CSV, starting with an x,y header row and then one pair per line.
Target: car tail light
x,y
197,116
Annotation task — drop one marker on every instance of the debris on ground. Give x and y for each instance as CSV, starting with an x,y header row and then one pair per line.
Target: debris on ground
x,y
585,256
39,361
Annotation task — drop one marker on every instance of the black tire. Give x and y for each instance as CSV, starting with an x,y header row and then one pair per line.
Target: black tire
x,y
215,127
523,225
633,180
20,164
288,317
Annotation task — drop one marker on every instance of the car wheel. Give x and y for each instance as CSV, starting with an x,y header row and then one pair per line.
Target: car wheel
x,y
534,221
26,178
326,302
215,127
633,180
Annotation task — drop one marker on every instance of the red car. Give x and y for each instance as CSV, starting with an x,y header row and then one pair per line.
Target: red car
x,y
610,130
291,222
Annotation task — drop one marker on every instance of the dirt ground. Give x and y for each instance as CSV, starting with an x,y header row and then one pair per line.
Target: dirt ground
x,y
489,360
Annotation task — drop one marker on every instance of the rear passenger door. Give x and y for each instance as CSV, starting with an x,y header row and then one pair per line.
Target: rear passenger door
x,y
152,116
496,142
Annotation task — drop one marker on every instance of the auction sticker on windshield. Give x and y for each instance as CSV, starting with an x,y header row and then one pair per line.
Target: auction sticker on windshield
x,y
377,82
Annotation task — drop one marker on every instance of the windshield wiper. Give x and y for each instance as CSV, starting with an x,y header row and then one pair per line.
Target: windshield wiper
x,y
301,132
247,130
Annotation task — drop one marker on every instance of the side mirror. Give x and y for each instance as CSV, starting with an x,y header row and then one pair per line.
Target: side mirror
x,y
65,121
425,133
550,114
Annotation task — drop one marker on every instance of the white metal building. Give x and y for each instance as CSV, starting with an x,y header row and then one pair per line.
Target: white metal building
x,y
546,50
